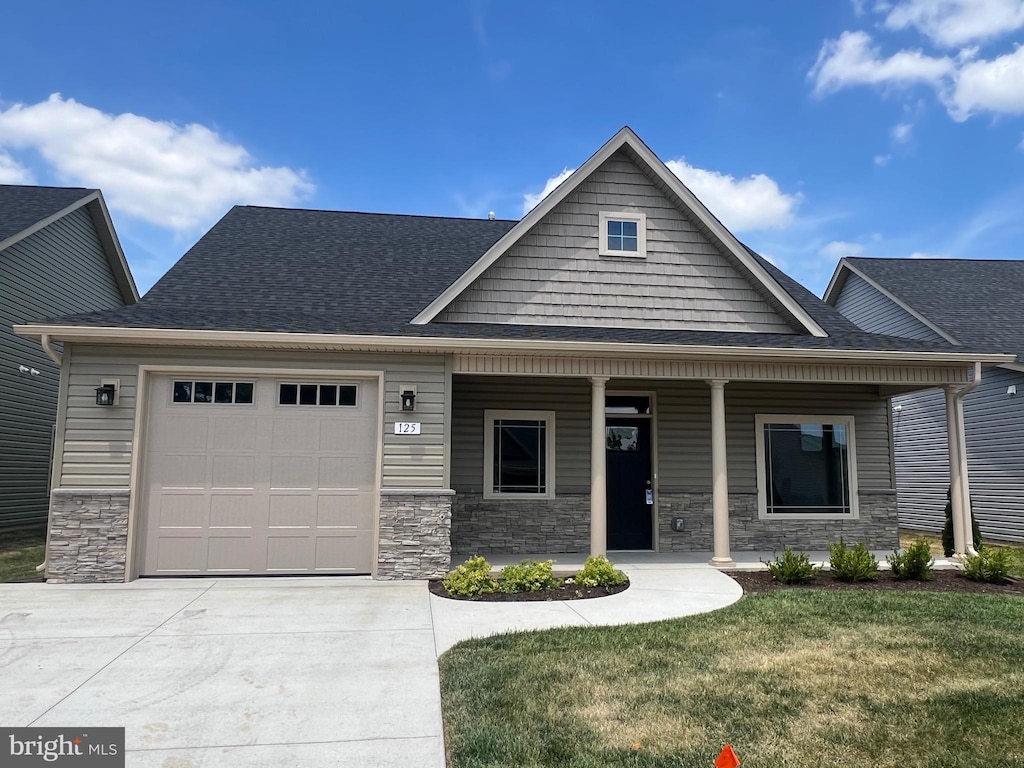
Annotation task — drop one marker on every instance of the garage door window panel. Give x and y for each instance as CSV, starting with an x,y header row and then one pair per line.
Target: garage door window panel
x,y
329,395
216,392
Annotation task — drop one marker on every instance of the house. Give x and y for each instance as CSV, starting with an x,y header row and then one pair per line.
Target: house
x,y
964,302
325,392
59,255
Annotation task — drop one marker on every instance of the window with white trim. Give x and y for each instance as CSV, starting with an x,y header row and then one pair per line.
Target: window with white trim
x,y
806,467
622,234
519,454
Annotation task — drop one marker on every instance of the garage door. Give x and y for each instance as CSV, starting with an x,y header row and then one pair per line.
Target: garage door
x,y
246,475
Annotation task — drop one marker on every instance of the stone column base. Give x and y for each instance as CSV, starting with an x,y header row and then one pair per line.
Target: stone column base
x,y
415,534
88,538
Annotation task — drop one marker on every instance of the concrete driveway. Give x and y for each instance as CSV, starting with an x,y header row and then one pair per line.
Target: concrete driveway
x,y
270,672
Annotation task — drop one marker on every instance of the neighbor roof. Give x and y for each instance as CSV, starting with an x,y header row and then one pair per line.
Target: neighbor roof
x,y
975,301
303,271
21,206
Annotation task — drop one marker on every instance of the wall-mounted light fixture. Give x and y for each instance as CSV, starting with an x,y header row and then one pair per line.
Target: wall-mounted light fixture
x,y
408,397
108,392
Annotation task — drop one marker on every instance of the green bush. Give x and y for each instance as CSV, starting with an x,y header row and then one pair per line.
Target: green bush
x,y
471,578
528,576
990,564
856,564
914,563
793,568
947,530
598,572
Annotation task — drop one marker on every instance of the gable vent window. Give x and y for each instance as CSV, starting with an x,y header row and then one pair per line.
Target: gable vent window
x,y
316,394
623,234
217,392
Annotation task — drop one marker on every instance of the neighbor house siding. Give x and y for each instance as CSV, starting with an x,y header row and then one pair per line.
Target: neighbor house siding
x,y
994,426
59,270
869,309
555,275
97,441
683,427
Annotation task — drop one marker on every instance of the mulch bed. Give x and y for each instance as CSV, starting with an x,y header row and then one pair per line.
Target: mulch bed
x,y
941,581
567,592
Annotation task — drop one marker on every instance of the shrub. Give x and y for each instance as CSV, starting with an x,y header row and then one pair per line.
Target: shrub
x,y
856,564
598,572
793,568
990,564
528,576
471,578
947,529
915,562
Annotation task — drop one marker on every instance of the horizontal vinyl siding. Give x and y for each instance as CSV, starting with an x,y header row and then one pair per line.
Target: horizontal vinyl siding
x,y
683,427
554,274
864,306
97,441
922,459
61,269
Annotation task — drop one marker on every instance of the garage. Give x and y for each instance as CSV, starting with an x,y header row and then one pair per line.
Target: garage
x,y
251,475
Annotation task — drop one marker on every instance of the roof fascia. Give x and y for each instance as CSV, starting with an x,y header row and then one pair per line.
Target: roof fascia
x,y
835,285
112,248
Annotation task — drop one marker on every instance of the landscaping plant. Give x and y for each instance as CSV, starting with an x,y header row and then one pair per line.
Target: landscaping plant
x,y
471,578
991,565
947,529
856,564
915,563
528,576
598,572
793,568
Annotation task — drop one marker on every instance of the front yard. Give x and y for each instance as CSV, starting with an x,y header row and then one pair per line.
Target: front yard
x,y
789,678
20,553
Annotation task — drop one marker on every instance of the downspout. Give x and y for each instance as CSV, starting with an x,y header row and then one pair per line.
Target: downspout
x,y
965,485
49,350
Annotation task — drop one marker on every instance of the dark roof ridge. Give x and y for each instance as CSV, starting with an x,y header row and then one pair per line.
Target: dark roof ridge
x,y
377,213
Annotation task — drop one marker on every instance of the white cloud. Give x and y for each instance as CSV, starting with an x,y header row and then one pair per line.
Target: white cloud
x,y
853,60
902,132
11,172
922,255
838,249
882,160
989,86
953,23
751,203
531,199
179,177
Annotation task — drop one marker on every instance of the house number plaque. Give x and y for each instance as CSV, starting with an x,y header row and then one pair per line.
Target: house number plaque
x,y
407,428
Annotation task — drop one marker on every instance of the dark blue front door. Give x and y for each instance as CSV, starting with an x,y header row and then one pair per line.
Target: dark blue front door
x,y
629,489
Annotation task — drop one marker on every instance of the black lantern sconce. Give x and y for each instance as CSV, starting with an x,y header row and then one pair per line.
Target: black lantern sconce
x,y
408,397
107,392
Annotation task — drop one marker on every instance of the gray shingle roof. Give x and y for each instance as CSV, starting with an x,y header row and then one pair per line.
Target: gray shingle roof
x,y
21,207
287,270
977,302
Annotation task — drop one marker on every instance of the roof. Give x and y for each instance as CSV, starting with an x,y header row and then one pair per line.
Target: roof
x,y
279,270
21,207
976,302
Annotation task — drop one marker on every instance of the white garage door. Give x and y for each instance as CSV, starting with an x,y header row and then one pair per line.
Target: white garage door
x,y
248,475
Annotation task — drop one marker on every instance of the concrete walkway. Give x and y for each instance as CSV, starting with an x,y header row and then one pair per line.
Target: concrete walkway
x,y
275,671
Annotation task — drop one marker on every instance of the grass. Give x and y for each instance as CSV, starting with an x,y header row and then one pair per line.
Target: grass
x,y
907,537
20,553
790,678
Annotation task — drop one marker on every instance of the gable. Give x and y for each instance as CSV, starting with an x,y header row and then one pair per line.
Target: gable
x,y
554,274
871,310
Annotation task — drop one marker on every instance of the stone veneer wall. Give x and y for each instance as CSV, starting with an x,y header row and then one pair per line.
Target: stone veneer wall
x,y
88,539
877,525
520,526
414,540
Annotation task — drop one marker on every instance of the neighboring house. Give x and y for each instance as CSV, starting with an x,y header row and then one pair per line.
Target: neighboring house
x,y
963,302
58,255
323,392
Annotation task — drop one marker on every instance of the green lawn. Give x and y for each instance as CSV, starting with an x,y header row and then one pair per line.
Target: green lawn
x,y
908,537
20,553
791,678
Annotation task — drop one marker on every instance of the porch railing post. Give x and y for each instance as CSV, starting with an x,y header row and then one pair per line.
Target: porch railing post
x,y
719,477
956,490
598,463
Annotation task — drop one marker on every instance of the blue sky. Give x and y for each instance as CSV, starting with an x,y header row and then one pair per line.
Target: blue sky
x,y
813,129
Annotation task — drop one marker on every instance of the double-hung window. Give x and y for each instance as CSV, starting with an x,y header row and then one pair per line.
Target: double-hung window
x,y
519,454
806,467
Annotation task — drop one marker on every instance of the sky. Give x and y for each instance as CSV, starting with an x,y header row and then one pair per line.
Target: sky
x,y
814,130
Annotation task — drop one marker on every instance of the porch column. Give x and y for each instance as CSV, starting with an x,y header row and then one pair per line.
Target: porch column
x,y
955,479
965,485
719,476
598,463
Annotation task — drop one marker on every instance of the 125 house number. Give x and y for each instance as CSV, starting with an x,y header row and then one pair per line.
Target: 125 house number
x,y
407,428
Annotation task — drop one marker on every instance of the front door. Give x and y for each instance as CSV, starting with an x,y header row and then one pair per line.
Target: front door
x,y
629,489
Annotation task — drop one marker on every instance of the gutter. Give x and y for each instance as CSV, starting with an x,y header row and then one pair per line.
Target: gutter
x,y
49,350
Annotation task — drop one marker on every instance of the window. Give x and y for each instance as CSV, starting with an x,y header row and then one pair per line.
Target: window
x,y
316,394
519,454
623,234
219,392
806,467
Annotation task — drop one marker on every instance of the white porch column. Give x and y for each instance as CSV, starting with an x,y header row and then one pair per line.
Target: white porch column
x,y
598,463
965,485
719,476
955,479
